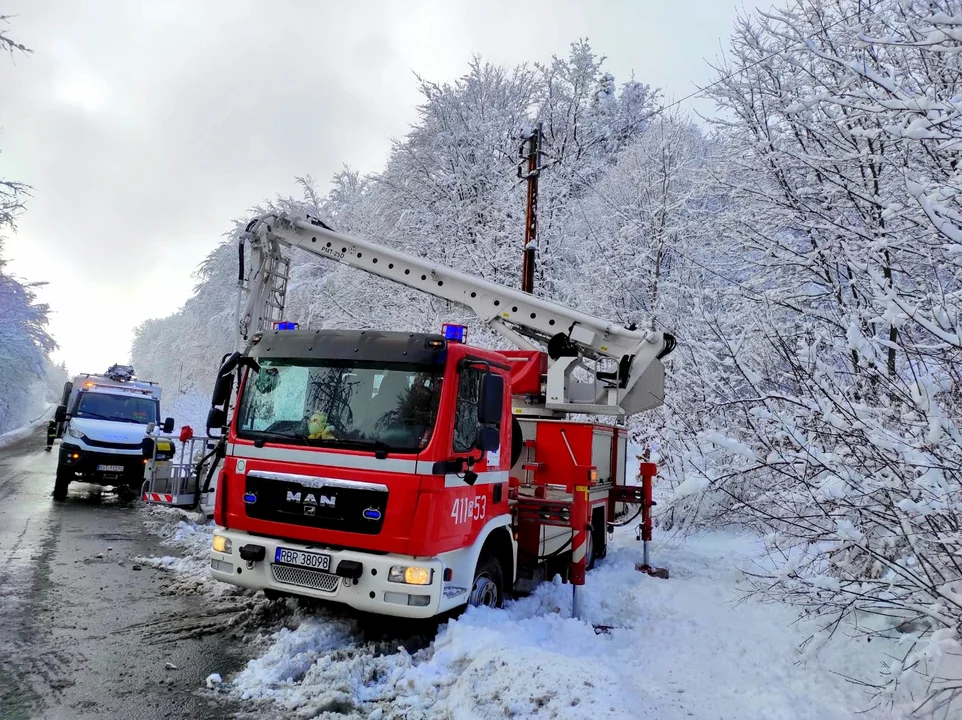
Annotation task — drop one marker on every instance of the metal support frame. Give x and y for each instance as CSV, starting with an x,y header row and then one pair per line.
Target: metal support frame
x,y
173,482
573,513
647,472
580,523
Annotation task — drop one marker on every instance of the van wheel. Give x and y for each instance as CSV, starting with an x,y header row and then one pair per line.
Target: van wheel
x,y
60,485
487,590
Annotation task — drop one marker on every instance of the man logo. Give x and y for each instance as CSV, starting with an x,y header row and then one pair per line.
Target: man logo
x,y
311,499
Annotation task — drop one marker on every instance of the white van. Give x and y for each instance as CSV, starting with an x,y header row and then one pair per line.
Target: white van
x,y
105,419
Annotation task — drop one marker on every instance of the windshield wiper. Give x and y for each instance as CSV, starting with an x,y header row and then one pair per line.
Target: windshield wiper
x,y
129,420
88,414
373,445
279,436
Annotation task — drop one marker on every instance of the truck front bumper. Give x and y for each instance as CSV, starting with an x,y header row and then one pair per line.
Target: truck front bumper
x,y
368,589
92,466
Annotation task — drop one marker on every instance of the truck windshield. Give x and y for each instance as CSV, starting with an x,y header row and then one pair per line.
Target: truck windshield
x,y
119,408
382,406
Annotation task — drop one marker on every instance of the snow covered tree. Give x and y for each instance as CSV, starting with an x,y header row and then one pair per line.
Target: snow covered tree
x,y
12,193
840,133
586,125
24,340
647,245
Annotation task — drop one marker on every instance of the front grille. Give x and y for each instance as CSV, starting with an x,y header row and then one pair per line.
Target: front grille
x,y
325,582
323,503
113,445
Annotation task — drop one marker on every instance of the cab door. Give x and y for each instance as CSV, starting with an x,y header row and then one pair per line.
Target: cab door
x,y
479,492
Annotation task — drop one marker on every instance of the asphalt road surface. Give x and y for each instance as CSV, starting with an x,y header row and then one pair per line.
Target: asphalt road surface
x,y
83,633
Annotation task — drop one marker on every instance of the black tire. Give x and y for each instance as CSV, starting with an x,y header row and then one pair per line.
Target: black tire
x,y
487,589
61,484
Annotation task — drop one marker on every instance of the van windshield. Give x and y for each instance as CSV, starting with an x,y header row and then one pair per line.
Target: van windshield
x,y
376,406
119,408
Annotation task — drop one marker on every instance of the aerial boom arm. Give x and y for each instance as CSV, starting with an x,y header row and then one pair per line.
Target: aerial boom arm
x,y
528,321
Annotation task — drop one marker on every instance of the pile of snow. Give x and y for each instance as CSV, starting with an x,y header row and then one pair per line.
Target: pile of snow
x,y
679,648
191,535
21,433
691,646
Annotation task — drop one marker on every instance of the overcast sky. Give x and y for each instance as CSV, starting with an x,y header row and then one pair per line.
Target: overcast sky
x,y
146,127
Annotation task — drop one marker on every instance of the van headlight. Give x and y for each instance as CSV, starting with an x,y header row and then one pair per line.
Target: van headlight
x,y
76,434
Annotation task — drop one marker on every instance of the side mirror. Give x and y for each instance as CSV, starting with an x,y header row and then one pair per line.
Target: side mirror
x,y
223,387
216,418
491,399
229,364
249,362
488,439
61,414
168,426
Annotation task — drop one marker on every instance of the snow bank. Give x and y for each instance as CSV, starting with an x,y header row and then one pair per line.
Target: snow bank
x,y
15,436
691,646
190,534
678,649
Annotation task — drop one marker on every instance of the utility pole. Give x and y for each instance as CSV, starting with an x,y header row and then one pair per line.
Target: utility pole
x,y
533,157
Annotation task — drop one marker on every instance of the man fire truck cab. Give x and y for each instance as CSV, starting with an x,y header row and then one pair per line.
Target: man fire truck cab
x,y
409,474
103,421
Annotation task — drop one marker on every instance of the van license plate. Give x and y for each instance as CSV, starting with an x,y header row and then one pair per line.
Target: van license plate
x,y
110,468
315,561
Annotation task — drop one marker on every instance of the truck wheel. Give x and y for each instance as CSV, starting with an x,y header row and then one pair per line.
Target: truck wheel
x,y
488,587
60,485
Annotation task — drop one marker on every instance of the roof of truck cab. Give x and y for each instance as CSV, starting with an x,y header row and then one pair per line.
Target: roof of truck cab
x,y
352,345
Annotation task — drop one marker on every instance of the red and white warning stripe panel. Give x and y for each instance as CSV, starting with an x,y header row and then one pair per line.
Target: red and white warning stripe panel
x,y
158,497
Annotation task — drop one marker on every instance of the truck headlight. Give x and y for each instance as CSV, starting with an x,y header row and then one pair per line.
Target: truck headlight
x,y
222,544
76,434
410,575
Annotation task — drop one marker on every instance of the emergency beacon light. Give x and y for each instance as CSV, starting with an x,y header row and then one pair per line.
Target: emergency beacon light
x,y
454,333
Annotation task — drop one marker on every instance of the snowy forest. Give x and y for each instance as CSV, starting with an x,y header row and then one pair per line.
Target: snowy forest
x,y
803,244
29,379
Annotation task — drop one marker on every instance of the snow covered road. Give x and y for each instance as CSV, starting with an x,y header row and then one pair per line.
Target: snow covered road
x,y
688,647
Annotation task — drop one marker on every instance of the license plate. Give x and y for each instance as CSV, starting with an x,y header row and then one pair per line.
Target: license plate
x,y
315,561
110,468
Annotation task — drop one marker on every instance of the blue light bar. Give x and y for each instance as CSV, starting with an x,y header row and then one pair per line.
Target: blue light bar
x,y
285,325
455,333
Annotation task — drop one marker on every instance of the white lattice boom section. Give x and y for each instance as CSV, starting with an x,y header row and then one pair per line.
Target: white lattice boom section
x,y
528,321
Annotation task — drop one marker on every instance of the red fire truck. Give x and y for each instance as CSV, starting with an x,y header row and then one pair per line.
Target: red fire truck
x,y
408,474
